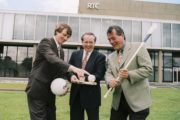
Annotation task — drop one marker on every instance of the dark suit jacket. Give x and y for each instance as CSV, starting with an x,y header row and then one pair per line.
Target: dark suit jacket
x,y
90,96
46,67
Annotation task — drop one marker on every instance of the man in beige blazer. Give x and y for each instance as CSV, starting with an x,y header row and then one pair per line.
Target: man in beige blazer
x,y
131,96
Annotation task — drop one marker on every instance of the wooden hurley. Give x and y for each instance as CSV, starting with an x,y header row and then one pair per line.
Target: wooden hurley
x,y
148,34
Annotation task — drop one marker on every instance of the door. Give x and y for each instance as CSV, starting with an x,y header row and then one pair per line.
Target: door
x,y
176,74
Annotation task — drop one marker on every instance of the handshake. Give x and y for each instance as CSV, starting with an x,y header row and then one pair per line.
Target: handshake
x,y
86,79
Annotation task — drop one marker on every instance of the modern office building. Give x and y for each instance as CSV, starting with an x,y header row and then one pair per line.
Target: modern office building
x,y
21,31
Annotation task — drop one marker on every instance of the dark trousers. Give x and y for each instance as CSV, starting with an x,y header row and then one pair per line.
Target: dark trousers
x,y
41,109
124,111
77,111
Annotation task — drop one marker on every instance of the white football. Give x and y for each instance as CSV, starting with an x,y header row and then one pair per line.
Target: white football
x,y
59,86
91,78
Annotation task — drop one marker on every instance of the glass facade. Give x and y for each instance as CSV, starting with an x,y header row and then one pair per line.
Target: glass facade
x,y
51,25
19,25
35,27
96,28
137,31
154,58
29,31
16,59
176,35
7,26
84,26
40,27
167,35
127,26
176,66
74,23
167,66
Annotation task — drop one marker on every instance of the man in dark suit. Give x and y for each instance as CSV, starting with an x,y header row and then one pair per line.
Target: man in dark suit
x,y
86,97
131,96
47,66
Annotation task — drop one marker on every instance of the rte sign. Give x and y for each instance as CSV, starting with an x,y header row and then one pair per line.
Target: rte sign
x,y
92,5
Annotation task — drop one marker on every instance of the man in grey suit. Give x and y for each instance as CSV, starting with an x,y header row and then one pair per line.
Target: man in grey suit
x,y
48,65
131,96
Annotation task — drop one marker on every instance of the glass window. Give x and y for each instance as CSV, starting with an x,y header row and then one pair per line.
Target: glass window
x,y
152,55
96,28
29,59
67,53
156,75
1,24
127,27
105,25
166,35
14,62
31,52
84,25
40,27
21,54
105,52
10,65
29,27
156,59
176,59
176,35
176,74
19,27
145,28
74,23
167,65
24,62
2,54
12,52
63,19
8,24
51,25
156,36
167,60
137,31
117,22
167,75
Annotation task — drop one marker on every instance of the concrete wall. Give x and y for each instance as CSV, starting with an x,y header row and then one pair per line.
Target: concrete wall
x,y
131,8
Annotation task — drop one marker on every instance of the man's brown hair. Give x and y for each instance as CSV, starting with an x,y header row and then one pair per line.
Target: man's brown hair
x,y
61,27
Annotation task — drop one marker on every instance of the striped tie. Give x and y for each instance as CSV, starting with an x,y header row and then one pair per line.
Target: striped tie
x,y
84,61
119,57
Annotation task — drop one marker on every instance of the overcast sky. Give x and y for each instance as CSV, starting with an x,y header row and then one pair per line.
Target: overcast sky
x,y
62,6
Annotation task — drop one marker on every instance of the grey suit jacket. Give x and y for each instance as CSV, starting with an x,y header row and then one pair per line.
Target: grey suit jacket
x,y
46,67
136,88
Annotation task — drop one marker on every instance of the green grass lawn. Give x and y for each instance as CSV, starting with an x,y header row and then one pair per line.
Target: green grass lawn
x,y
13,105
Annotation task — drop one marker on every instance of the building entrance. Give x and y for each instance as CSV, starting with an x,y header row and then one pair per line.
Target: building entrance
x,y
176,74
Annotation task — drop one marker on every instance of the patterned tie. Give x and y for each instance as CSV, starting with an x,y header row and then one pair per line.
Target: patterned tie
x,y
84,61
119,57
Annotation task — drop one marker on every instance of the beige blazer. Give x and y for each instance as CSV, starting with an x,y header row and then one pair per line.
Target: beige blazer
x,y
136,88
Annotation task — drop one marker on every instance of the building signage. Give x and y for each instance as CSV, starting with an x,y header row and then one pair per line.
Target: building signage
x,y
92,5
